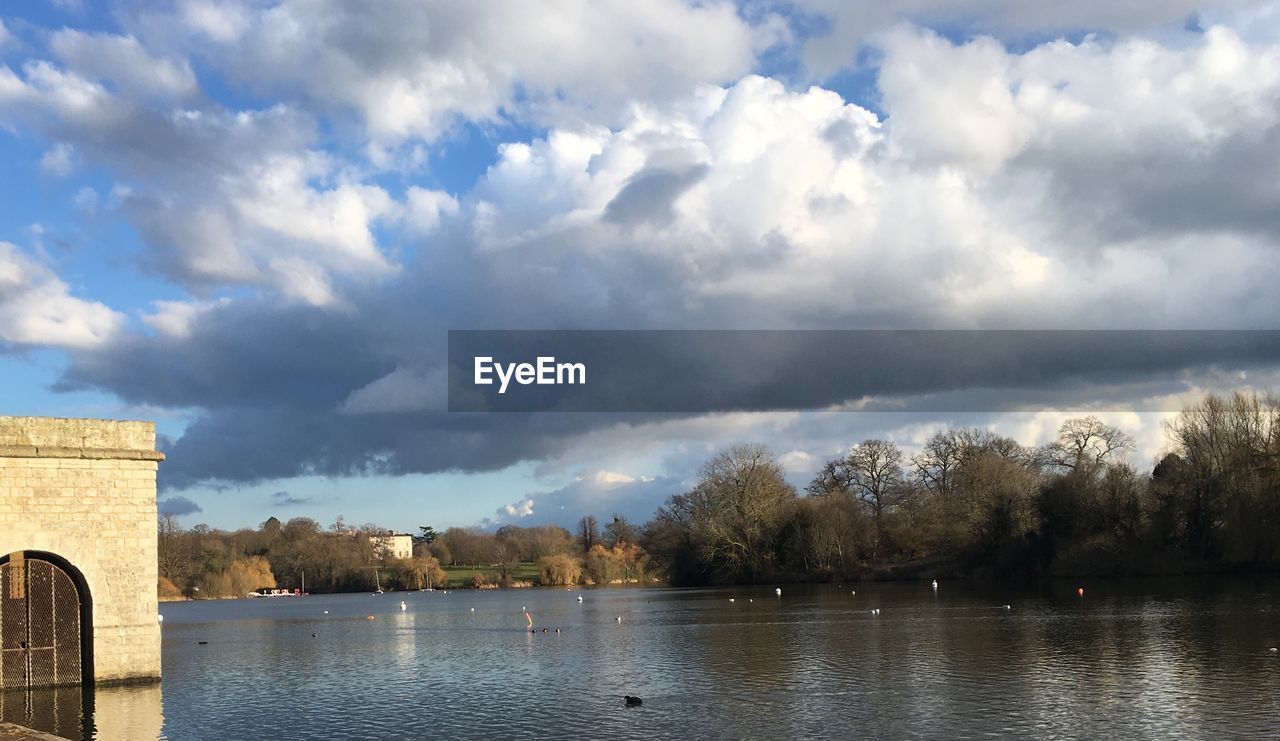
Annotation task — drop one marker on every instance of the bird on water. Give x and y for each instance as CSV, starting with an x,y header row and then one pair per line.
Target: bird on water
x,y
632,701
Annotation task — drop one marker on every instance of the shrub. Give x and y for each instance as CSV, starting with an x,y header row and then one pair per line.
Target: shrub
x,y
559,570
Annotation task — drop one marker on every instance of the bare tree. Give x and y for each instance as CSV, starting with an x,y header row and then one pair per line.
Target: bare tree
x,y
588,532
872,474
738,507
1085,445
175,558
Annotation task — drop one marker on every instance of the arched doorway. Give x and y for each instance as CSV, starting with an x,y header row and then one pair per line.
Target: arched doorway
x,y
46,622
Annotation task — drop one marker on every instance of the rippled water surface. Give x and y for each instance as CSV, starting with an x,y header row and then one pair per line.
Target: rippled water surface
x,y
1145,660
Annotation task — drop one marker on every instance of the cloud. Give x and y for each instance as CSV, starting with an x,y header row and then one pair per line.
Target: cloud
x,y
603,495
849,24
222,198
285,498
37,307
59,160
402,390
124,63
649,196
522,508
178,506
411,70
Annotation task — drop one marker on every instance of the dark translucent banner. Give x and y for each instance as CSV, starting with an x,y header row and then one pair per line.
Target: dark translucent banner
x,y
684,371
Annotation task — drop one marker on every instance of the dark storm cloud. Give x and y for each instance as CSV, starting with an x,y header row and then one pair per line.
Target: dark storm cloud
x,y
247,353
273,387
177,506
255,444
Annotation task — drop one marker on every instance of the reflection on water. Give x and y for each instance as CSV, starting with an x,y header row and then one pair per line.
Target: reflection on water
x,y
57,710
1146,660
124,712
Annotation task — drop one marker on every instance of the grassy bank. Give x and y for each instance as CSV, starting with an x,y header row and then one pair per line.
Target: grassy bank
x,y
464,576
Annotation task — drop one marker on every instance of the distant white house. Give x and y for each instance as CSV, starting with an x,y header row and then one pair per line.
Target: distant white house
x,y
393,545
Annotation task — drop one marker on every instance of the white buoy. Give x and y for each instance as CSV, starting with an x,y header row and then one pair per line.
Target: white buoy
x,y
1008,607
935,585
730,599
778,591
853,592
618,619
579,598
473,609
403,606
159,618
326,612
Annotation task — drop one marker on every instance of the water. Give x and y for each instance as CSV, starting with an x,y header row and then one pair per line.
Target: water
x,y
1140,660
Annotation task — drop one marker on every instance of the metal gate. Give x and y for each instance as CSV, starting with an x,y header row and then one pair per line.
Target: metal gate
x,y
40,636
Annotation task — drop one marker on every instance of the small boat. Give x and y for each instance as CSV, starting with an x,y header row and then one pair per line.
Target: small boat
x,y
276,593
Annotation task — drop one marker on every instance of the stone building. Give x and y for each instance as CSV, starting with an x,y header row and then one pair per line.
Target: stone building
x,y
77,552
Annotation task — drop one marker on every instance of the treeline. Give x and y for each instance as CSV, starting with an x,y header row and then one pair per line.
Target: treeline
x,y
972,501
202,562
592,555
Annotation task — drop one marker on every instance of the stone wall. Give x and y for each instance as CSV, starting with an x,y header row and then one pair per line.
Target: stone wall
x,y
85,490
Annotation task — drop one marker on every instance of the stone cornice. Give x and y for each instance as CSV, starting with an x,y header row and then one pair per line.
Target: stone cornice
x,y
46,451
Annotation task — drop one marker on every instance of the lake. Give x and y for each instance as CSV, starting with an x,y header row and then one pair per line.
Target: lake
x,y
1151,659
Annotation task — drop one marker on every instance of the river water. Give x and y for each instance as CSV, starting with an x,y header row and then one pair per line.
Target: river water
x,y
1151,659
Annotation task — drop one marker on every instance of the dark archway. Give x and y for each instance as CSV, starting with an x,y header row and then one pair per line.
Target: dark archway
x,y
46,622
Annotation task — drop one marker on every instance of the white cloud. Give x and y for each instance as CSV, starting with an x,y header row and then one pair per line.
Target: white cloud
x,y
424,209
37,308
607,478
58,160
411,69
522,508
797,462
1074,185
174,318
223,22
123,62
853,23
222,198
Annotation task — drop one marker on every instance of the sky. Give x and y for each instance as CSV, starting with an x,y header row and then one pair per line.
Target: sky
x,y
254,223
